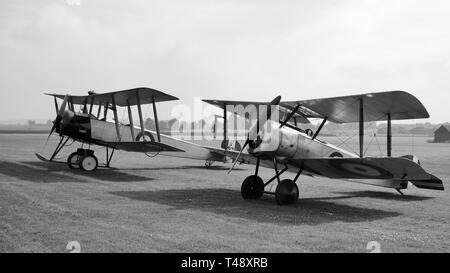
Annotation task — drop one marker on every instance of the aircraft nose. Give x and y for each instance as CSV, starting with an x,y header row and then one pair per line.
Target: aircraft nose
x,y
67,117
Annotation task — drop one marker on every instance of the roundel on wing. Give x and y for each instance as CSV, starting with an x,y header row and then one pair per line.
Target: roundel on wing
x,y
361,169
147,136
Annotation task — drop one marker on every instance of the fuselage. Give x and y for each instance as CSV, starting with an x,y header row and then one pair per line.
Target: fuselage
x,y
87,128
286,143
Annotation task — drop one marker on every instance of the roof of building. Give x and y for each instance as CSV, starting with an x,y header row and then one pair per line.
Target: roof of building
x,y
445,128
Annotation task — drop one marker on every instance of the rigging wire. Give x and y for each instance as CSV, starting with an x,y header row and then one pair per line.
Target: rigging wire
x,y
376,140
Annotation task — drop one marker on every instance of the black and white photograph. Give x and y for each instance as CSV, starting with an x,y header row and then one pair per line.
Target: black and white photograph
x,y
245,128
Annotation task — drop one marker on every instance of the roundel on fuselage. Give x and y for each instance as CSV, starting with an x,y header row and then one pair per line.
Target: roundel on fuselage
x,y
336,154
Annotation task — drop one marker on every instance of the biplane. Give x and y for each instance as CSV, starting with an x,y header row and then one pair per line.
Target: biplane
x,y
281,143
91,125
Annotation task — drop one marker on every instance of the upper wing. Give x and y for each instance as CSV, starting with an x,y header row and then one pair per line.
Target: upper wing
x,y
399,104
299,116
370,168
122,98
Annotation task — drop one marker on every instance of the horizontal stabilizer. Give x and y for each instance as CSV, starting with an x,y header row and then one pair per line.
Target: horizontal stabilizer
x,y
365,168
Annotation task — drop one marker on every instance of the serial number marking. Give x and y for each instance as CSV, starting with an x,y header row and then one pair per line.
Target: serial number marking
x,y
229,262
246,262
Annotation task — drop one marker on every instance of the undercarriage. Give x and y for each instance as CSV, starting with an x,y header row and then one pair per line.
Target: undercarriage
x,y
286,192
83,159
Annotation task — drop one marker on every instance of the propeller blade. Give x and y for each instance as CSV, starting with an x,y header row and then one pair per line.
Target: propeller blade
x,y
276,100
239,154
59,115
63,106
253,133
51,131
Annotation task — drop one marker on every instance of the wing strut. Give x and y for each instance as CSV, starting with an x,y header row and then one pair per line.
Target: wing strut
x,y
389,135
225,142
116,118
141,121
92,106
99,111
361,127
290,116
155,113
105,113
130,119
320,128
85,105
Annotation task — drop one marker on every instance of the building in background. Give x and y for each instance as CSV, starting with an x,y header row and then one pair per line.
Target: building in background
x,y
442,134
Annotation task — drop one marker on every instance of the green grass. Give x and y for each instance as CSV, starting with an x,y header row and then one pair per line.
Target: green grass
x,y
175,205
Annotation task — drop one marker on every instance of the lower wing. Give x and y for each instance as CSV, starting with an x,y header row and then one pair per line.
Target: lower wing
x,y
370,168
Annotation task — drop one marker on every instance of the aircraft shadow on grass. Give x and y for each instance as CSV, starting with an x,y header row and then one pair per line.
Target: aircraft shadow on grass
x,y
35,171
310,211
378,195
186,167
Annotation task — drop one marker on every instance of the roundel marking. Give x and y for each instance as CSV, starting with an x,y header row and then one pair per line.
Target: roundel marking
x,y
363,170
360,169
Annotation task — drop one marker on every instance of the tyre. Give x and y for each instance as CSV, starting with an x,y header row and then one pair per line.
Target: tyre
x,y
88,163
252,187
286,192
72,160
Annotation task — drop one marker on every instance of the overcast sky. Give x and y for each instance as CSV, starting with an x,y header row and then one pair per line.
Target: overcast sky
x,y
240,50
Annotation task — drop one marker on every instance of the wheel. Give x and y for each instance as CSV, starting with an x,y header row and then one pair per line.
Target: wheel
x,y
252,187
147,137
88,163
72,161
286,192
208,163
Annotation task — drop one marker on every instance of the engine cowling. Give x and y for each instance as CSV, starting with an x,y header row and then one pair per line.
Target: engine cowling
x,y
274,140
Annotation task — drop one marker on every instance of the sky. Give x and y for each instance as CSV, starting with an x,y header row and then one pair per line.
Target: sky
x,y
237,50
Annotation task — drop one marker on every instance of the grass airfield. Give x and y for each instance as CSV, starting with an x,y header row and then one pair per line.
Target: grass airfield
x,y
167,204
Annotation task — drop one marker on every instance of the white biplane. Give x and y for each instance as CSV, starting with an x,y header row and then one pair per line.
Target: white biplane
x,y
91,127
282,145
